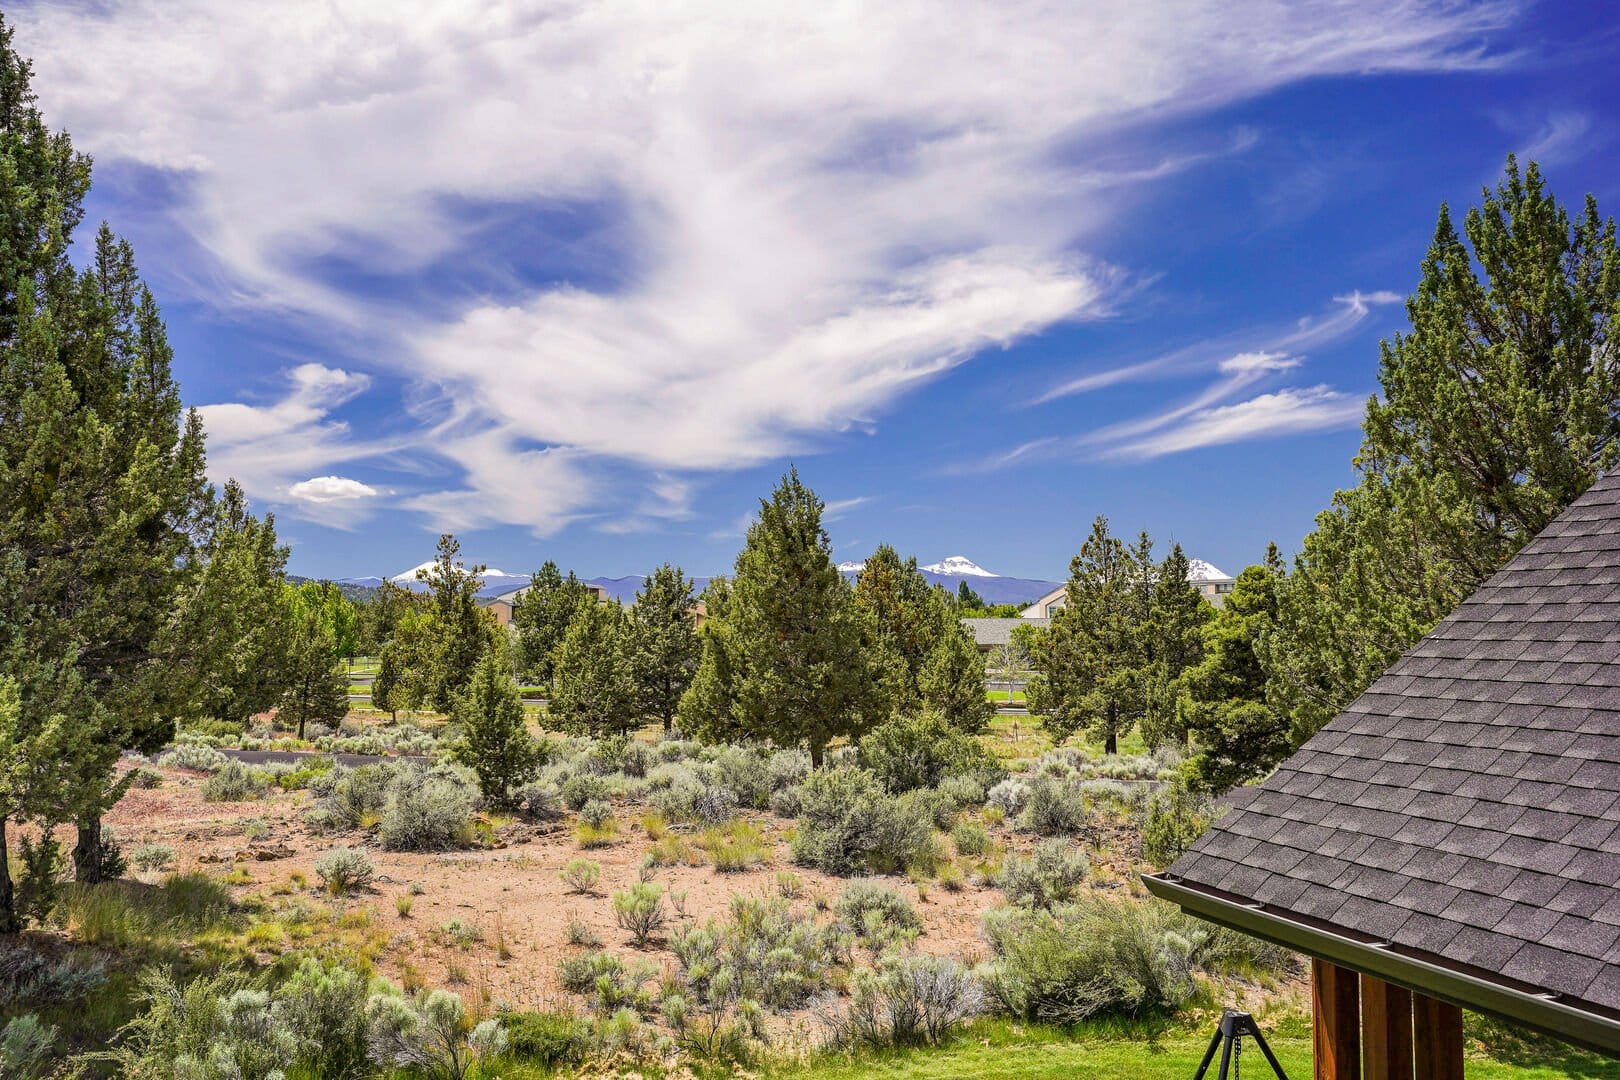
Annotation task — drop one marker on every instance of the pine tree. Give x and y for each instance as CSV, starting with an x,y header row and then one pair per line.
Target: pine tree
x,y
1240,736
594,691
407,671
461,629
908,617
1174,631
967,599
952,684
1088,663
791,660
495,743
663,644
705,709
541,617
379,616
1499,407
316,689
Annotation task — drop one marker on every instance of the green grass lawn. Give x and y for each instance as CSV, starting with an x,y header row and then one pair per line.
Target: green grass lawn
x,y
999,1049
1000,696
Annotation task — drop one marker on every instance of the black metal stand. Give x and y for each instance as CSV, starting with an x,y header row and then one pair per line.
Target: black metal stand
x,y
1228,1039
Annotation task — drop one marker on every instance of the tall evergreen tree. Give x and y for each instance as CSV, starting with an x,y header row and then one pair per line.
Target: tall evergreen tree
x,y
952,682
542,616
663,644
1499,407
705,709
495,742
1174,632
1241,736
1088,663
316,689
407,671
794,650
594,691
461,629
908,618
378,616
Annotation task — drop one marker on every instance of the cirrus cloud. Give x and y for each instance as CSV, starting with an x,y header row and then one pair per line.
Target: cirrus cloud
x,y
800,212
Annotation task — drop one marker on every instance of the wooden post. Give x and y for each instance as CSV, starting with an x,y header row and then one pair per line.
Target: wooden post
x,y
1386,1030
1437,1039
1336,1022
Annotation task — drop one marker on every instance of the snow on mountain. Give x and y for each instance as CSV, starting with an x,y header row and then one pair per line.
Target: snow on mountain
x,y
958,566
1199,570
851,567
409,576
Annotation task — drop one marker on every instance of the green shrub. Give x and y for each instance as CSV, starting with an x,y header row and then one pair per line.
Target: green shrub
x,y
1050,876
582,788
849,823
143,777
426,1034
345,870
769,951
549,1040
734,847
235,782
39,887
877,914
324,1005
216,1026
26,1048
1008,796
908,753
581,875
1054,807
971,839
639,911
1098,955
1176,817
608,981
152,858
745,772
908,1001
426,813
29,977
193,757
596,813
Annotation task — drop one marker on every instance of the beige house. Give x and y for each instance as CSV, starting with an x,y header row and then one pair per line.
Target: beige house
x,y
501,606
1046,605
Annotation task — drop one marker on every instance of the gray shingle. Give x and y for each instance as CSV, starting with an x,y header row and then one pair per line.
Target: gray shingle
x,y
1468,804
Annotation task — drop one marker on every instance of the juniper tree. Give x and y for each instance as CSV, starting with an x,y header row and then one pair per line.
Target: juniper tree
x,y
1174,631
495,742
908,618
541,617
705,709
461,629
952,682
407,671
315,687
1088,662
1499,406
594,691
791,661
662,646
1240,735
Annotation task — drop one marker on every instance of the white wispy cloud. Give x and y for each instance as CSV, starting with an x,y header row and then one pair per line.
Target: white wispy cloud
x,y
1284,412
271,449
813,208
1204,419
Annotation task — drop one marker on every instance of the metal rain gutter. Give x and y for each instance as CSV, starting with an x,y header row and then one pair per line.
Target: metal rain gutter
x,y
1547,1013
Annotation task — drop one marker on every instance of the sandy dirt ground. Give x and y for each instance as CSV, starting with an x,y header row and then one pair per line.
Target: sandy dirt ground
x,y
511,894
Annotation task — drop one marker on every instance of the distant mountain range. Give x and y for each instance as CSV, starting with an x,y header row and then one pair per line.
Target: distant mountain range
x,y
948,572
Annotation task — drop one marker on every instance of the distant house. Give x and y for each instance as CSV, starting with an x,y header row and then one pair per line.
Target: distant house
x,y
1044,607
992,634
501,605
1210,580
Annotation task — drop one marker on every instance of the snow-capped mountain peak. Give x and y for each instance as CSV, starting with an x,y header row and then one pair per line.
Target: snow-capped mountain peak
x,y
410,575
959,566
851,567
1199,570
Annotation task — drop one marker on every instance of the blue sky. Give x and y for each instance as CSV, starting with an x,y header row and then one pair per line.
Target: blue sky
x,y
577,282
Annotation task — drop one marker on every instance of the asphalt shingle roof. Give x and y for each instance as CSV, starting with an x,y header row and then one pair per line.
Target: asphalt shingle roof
x,y
1468,804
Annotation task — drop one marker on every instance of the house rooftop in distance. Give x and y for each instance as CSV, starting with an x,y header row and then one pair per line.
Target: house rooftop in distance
x,y
1456,829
